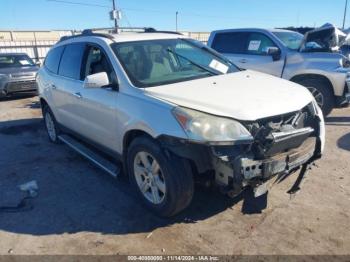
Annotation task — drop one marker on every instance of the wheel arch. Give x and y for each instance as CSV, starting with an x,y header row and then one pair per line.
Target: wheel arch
x,y
131,135
301,77
43,103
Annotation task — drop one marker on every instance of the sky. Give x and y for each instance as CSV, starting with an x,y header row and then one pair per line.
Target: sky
x,y
193,15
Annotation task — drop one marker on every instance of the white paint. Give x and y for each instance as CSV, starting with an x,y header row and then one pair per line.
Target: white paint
x,y
246,95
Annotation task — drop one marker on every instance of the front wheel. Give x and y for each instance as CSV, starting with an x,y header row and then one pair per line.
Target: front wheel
x,y
163,183
321,92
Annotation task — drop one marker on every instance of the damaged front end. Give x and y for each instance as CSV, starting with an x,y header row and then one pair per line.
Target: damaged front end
x,y
280,146
327,38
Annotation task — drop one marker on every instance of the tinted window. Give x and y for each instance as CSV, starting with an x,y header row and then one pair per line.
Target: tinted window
x,y
234,43
70,65
53,59
258,44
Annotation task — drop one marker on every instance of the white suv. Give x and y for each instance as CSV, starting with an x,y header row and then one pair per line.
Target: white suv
x,y
171,111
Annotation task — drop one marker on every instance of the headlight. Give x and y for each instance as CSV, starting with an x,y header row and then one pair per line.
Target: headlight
x,y
208,128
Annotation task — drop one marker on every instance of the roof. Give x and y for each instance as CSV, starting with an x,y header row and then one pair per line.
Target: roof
x,y
253,29
128,37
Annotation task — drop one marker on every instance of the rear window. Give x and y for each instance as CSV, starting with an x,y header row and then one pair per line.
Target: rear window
x,y
234,43
70,65
53,59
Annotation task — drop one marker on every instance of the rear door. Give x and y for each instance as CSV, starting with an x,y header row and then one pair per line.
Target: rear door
x,y
68,85
256,57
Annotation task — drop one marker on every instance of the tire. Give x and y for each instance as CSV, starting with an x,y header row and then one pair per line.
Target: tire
x,y
319,87
172,184
51,125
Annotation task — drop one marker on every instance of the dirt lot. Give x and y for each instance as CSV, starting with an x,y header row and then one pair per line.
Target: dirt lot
x,y
81,210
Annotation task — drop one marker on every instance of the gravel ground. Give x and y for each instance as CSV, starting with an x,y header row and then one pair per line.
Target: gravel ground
x,y
81,210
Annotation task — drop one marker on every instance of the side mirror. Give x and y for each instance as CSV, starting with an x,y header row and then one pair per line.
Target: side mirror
x,y
37,63
275,52
96,80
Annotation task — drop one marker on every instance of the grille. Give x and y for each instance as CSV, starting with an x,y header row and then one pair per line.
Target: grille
x,y
21,86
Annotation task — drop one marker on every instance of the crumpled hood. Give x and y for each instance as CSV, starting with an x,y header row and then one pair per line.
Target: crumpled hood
x,y
327,36
245,95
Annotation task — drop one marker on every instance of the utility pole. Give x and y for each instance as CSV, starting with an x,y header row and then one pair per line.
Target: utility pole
x,y
177,13
346,7
115,16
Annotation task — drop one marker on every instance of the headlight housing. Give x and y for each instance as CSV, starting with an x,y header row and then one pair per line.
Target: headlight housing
x,y
203,127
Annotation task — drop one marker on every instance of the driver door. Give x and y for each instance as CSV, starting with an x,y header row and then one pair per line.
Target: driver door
x,y
255,56
98,106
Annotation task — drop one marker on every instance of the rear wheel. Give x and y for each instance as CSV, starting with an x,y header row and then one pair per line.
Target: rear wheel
x,y
163,183
51,125
321,92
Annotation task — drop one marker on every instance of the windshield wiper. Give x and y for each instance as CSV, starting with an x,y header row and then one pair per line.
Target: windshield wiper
x,y
211,51
192,62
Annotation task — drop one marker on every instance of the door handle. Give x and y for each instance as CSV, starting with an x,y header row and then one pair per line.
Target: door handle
x,y
78,95
243,61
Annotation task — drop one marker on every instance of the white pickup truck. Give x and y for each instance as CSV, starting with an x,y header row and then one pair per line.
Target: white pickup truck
x,y
312,61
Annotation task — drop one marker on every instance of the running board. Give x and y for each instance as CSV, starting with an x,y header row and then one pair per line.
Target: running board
x,y
95,158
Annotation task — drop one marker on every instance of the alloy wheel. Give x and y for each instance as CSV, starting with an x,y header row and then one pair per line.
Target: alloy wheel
x,y
317,95
50,126
149,177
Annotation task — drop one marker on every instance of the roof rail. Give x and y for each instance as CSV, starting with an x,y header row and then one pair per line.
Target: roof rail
x,y
166,32
86,32
112,30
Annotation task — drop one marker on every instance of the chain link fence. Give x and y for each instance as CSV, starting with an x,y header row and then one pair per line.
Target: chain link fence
x,y
36,46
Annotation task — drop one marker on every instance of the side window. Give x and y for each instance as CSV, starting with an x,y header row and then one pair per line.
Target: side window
x,y
258,44
97,62
70,65
53,58
233,43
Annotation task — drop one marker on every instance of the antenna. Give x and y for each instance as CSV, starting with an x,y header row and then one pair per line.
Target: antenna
x,y
346,7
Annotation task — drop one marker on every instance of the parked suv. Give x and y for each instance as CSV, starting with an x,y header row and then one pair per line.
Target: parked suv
x,y
17,73
282,53
172,111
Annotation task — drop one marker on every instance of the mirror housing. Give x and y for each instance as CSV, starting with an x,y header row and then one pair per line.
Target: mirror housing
x,y
97,80
275,52
37,63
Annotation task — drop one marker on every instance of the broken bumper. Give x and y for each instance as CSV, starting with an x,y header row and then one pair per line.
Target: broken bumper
x,y
233,167
281,163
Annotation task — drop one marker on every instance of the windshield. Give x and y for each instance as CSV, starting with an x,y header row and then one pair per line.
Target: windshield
x,y
7,61
159,62
292,40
